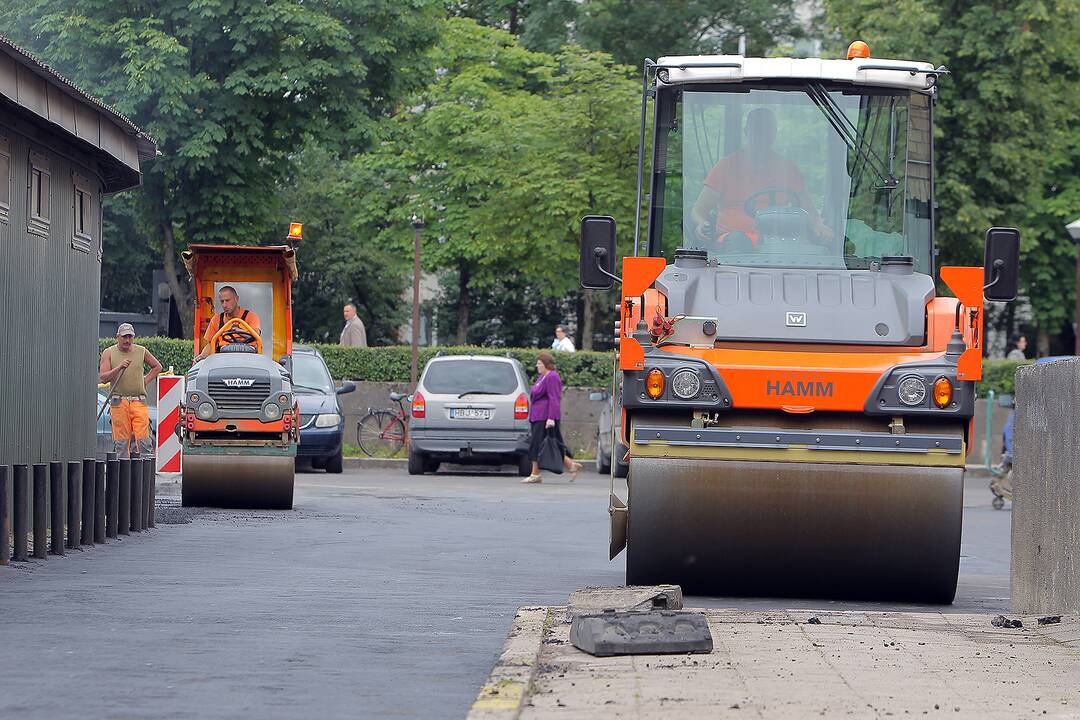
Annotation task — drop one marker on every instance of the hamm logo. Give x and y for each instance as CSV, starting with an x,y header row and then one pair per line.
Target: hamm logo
x,y
239,382
798,389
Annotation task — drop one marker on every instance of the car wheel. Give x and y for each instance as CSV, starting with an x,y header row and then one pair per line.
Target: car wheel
x,y
417,463
603,462
524,465
333,464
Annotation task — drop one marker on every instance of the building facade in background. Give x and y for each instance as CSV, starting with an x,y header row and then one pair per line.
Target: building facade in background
x,y
60,152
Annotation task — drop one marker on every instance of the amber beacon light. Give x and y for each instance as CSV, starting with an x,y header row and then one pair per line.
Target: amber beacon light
x,y
858,49
296,231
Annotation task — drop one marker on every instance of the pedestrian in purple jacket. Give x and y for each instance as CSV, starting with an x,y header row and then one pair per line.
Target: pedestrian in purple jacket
x,y
545,409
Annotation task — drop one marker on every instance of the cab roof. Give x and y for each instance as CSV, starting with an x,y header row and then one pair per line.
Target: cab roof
x,y
879,72
219,252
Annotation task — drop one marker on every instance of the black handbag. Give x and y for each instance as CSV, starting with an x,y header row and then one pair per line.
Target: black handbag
x,y
551,454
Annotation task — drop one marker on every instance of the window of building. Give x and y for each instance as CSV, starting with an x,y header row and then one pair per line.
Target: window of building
x,y
83,229
39,195
5,180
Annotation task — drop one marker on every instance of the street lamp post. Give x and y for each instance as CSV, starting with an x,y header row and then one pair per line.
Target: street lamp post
x,y
418,225
1074,233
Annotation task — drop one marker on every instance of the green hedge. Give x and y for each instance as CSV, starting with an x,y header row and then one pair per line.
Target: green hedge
x,y
391,364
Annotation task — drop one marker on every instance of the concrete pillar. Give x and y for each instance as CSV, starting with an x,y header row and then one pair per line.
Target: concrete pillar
x,y
1046,489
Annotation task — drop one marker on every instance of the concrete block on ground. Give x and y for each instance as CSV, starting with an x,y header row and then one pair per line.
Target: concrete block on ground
x,y
1046,489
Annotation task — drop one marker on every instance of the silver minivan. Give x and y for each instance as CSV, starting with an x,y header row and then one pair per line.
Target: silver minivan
x,y
471,409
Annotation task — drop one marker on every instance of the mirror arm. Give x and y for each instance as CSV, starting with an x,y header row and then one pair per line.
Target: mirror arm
x,y
998,264
598,255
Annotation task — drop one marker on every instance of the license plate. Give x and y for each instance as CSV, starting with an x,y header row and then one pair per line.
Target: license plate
x,y
470,414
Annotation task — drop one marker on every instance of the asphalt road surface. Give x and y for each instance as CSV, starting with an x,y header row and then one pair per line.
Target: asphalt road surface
x,y
381,595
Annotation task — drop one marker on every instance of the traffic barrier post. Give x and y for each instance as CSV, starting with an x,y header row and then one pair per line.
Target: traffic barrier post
x,y
124,515
136,494
5,517
149,482
20,515
56,506
74,504
99,501
87,502
112,497
41,514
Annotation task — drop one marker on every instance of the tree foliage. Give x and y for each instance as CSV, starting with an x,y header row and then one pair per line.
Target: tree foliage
x,y
230,91
1007,149
501,156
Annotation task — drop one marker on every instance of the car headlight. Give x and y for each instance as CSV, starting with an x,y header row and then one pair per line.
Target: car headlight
x,y
912,390
271,411
686,384
327,420
205,411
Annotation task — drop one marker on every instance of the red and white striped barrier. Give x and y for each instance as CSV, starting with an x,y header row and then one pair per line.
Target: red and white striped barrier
x,y
170,389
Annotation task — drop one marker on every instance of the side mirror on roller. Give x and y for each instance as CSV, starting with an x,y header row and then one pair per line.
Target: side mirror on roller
x,y
1001,263
597,252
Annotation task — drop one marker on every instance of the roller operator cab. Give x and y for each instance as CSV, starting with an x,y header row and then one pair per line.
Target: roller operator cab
x,y
240,419
796,394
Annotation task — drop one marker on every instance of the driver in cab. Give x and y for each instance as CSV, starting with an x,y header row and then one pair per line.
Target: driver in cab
x,y
230,309
756,174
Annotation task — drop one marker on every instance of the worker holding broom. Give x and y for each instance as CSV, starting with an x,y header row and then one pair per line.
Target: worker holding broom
x,y
122,365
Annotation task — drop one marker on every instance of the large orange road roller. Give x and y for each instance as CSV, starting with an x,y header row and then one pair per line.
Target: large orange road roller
x,y
240,421
796,396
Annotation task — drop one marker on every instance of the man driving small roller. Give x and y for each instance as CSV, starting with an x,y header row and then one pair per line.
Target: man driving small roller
x,y
755,175
230,309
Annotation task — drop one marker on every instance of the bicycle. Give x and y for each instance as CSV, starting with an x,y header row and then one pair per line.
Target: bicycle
x,y
384,432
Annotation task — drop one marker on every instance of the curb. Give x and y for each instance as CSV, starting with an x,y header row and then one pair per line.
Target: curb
x,y
366,463
511,680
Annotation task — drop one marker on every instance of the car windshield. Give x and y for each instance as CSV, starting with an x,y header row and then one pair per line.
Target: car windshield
x,y
309,374
803,176
466,376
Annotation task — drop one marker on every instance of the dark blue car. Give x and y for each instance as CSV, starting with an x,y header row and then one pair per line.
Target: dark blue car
x,y
321,419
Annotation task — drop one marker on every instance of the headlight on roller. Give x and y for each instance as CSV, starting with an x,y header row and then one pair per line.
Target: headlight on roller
x,y
271,411
943,392
327,420
912,391
205,411
686,384
654,383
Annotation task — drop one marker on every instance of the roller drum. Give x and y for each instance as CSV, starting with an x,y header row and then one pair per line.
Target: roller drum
x,y
795,529
238,481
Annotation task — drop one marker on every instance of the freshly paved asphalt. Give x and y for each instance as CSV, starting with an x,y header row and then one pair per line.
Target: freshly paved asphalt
x,y
381,595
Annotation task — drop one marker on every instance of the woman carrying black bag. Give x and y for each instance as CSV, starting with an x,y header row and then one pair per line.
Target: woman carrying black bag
x,y
545,409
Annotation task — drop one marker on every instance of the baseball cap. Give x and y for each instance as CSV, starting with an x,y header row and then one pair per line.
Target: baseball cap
x,y
125,329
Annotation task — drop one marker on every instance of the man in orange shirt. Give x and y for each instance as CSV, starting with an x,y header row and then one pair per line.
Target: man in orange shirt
x,y
735,179
230,308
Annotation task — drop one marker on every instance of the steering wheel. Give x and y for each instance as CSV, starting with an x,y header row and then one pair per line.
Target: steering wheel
x,y
794,200
236,332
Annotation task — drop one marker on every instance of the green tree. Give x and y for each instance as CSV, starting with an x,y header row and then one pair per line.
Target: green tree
x,y
1006,137
501,156
231,91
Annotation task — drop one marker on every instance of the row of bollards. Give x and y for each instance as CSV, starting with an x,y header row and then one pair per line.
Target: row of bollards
x,y
74,504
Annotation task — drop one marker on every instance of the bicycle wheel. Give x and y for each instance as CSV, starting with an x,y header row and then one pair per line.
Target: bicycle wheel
x,y
381,434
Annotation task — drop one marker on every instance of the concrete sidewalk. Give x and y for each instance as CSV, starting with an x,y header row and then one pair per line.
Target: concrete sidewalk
x,y
780,665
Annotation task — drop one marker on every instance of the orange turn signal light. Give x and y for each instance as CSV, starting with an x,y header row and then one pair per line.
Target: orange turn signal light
x,y
296,231
943,392
654,383
858,49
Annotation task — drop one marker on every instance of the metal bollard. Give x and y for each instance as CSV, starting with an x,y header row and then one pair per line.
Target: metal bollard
x,y
112,497
151,503
74,504
87,502
136,494
149,481
5,517
56,506
124,515
20,493
99,502
41,510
